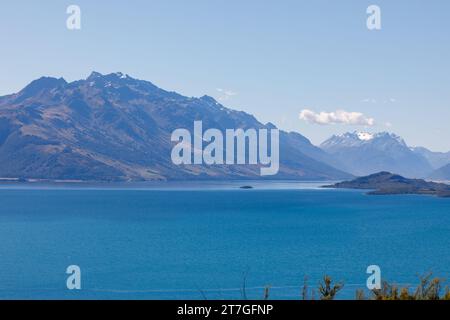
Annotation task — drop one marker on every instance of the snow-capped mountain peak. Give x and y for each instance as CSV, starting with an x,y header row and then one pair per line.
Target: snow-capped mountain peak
x,y
359,137
364,153
365,136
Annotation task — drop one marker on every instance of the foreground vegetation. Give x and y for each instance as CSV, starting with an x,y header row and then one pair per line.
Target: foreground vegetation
x,y
428,288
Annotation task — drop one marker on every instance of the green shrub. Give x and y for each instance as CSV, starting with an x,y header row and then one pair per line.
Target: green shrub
x,y
327,291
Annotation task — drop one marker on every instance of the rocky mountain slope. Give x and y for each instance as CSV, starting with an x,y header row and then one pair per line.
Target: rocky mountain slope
x,y
117,128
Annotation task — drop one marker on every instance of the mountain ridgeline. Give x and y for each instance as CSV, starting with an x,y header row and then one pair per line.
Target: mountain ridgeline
x,y
117,128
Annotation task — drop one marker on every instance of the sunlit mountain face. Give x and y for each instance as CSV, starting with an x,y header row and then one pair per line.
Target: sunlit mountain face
x,y
114,127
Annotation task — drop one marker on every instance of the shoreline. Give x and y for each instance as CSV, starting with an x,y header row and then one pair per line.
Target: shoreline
x,y
205,185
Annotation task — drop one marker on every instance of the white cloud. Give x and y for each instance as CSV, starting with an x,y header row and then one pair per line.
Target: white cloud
x,y
369,100
337,117
226,94
375,101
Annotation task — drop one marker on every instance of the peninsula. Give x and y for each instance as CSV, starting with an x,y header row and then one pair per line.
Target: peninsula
x,y
385,183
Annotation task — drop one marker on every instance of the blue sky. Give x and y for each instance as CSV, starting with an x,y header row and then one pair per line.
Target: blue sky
x,y
270,58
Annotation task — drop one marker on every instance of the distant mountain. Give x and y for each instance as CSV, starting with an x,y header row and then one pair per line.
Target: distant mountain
x,y
363,153
384,183
436,159
441,173
114,127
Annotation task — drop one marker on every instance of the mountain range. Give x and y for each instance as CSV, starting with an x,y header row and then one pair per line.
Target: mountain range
x,y
116,128
363,153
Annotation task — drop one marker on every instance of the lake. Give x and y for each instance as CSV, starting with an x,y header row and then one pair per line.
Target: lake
x,y
197,241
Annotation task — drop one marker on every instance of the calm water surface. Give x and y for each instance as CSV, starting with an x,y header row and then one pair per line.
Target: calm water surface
x,y
187,242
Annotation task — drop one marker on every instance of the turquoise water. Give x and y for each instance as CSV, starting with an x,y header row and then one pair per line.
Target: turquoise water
x,y
191,243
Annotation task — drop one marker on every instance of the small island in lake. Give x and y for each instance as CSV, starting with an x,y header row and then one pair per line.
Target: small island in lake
x,y
385,183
